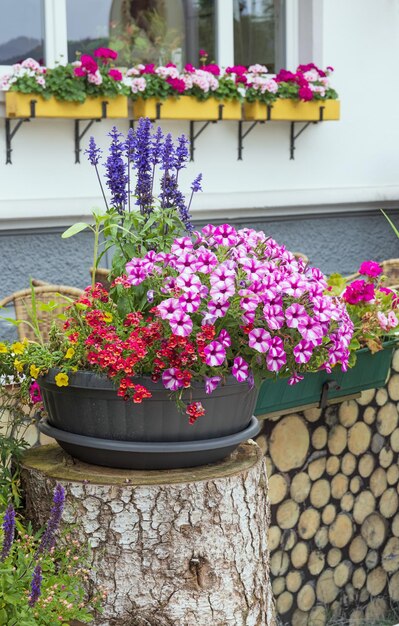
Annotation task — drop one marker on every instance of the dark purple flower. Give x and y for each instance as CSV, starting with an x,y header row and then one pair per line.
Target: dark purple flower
x,y
9,529
48,538
142,163
168,154
36,584
157,146
93,153
116,171
196,184
181,152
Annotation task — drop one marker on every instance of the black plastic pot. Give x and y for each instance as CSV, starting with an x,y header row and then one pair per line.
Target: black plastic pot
x,y
91,422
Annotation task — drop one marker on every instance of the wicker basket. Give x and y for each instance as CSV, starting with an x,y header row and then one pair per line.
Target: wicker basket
x,y
45,293
101,276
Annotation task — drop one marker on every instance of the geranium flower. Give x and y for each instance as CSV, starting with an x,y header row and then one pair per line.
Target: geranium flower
x,y
215,354
370,268
259,339
359,291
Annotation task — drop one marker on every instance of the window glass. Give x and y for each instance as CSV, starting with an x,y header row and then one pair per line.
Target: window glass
x,y
21,31
255,29
142,31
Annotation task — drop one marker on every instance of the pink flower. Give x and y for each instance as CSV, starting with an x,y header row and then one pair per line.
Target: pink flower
x,y
88,63
212,383
240,369
274,316
219,308
115,74
172,378
188,281
392,319
359,291
177,84
224,338
206,260
215,354
274,363
225,235
303,352
182,244
370,268
382,320
294,314
34,393
305,94
106,53
167,308
259,339
222,290
295,378
190,301
180,323
310,330
186,262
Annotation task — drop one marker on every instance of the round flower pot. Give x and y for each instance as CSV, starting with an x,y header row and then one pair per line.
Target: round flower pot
x,y
92,423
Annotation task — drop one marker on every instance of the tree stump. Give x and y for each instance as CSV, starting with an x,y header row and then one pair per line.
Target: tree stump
x,y
171,548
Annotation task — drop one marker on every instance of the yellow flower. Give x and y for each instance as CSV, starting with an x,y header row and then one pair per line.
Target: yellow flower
x,y
61,380
3,348
18,347
108,317
18,365
69,353
74,368
34,371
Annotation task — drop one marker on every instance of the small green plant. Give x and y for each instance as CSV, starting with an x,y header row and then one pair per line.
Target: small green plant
x,y
41,584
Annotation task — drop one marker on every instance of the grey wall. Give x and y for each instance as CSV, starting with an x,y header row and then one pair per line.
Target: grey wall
x,y
335,243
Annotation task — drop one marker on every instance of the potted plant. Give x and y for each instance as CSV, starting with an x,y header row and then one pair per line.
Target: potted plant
x,y
86,89
164,92
202,317
305,95
373,309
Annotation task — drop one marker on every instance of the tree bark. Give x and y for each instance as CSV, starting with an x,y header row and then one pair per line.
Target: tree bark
x,y
171,548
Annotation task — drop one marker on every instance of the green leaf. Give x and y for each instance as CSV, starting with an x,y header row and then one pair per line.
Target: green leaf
x,y
395,230
74,229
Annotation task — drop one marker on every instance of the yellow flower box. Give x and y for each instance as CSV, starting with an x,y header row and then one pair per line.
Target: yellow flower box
x,y
18,105
186,108
293,111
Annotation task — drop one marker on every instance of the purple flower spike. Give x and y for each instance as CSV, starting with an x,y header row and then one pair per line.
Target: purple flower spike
x,y
142,162
48,538
36,585
93,153
196,184
9,530
157,146
116,172
181,152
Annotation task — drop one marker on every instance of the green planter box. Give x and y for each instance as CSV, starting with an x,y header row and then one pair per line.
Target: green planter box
x,y
370,372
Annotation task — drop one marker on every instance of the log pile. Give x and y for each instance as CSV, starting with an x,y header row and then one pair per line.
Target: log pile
x,y
334,485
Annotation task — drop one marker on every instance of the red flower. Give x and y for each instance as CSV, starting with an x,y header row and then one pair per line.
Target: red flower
x,y
106,53
88,63
212,68
305,93
78,71
148,69
115,74
195,410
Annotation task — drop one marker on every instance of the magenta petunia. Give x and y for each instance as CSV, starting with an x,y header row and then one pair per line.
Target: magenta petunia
x,y
224,338
225,235
303,352
212,383
259,339
240,369
295,378
276,362
182,244
168,307
218,309
294,314
190,301
222,290
172,378
180,323
215,354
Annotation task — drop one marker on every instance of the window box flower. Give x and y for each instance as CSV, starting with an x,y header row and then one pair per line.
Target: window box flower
x,y
295,111
19,105
187,108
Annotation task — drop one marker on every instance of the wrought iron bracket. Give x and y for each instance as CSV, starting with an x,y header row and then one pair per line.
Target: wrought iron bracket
x,y
327,386
194,136
294,137
80,134
11,132
242,135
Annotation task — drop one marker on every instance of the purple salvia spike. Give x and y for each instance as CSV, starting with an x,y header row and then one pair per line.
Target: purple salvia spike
x,y
36,585
9,530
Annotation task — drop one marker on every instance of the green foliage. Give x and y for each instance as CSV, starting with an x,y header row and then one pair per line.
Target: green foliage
x,y
65,573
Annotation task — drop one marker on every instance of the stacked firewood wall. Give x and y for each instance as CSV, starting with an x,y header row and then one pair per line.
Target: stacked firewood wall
x,y
334,484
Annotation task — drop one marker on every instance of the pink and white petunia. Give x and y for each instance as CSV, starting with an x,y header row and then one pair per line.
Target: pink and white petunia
x,y
303,352
310,330
295,378
274,316
240,369
180,323
186,281
275,363
225,235
190,301
172,378
186,263
222,290
167,308
295,314
206,260
215,354
218,309
182,244
259,339
212,383
224,338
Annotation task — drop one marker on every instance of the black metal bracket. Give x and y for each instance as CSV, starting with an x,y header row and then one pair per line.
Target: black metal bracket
x,y
242,135
294,137
194,136
79,135
11,132
327,386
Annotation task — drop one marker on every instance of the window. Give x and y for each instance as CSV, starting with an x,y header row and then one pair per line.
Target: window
x,y
257,37
21,31
142,31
